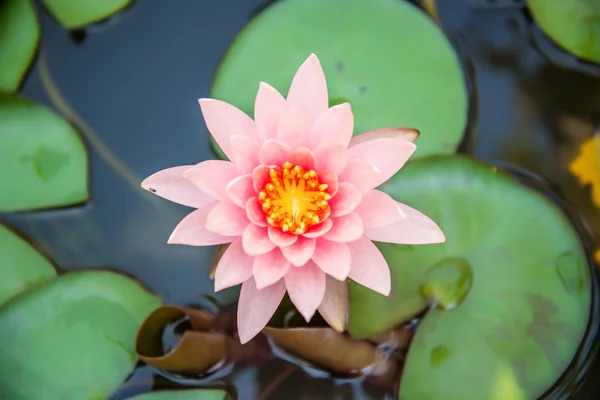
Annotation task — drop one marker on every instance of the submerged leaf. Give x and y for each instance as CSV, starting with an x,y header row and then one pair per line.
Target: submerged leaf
x,y
43,161
75,14
573,24
586,167
196,352
71,337
21,265
528,306
329,349
19,37
398,82
193,394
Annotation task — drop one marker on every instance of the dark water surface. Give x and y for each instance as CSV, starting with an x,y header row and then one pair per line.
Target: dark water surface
x,y
135,80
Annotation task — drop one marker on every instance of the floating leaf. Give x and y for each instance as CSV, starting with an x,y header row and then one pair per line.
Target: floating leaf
x,y
586,167
196,352
21,265
527,309
19,37
329,349
573,24
370,58
71,337
43,161
202,394
75,14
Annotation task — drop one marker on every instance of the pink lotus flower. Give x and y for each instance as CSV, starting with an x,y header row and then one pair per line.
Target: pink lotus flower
x,y
297,201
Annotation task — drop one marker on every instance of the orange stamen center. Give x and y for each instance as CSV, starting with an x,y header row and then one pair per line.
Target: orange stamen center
x,y
294,199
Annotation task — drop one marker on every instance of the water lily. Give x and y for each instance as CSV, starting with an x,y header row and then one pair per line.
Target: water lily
x,y
297,202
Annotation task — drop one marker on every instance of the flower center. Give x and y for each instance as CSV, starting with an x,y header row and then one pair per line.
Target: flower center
x,y
294,199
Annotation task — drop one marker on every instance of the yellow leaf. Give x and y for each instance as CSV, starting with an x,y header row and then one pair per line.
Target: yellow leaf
x,y
597,256
586,167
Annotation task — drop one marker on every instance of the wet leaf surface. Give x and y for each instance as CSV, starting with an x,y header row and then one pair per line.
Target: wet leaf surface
x,y
43,161
203,394
19,37
71,337
528,306
329,349
574,25
21,265
398,82
75,14
197,351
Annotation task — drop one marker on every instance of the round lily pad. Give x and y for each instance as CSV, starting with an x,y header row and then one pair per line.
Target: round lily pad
x,y
574,25
75,14
385,57
43,161
511,285
203,394
71,337
21,266
19,37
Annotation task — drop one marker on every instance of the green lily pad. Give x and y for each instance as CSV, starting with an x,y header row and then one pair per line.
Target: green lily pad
x,y
370,57
518,324
43,161
574,25
203,394
19,37
72,337
21,266
75,14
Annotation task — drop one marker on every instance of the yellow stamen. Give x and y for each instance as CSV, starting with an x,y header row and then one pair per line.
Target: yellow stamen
x,y
294,199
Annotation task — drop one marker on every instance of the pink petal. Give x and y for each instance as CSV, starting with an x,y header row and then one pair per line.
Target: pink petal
x,y
240,190
224,120
308,90
274,152
345,229
268,109
256,307
362,174
281,238
256,241
331,180
245,153
192,230
334,307
319,230
369,268
334,125
333,258
294,128
300,252
260,177
388,155
331,156
304,158
235,267
171,185
378,209
416,228
227,219
255,213
270,268
306,288
346,200
212,177
407,134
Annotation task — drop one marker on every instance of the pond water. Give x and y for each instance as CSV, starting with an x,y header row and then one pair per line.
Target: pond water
x,y
134,81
